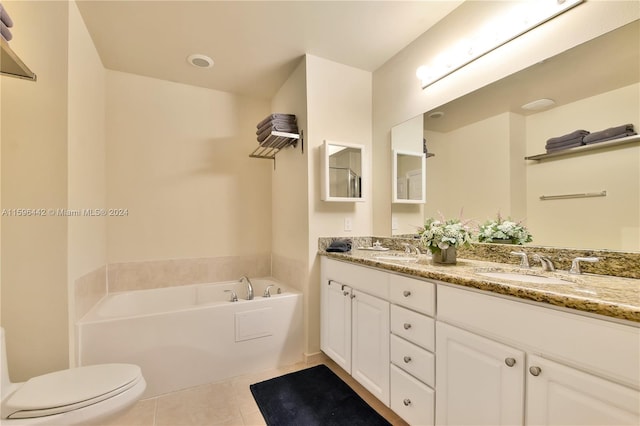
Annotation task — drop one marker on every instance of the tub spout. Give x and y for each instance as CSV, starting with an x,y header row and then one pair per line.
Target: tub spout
x,y
244,278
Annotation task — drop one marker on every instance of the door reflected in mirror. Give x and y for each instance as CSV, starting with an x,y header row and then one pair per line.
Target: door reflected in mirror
x,y
409,171
342,171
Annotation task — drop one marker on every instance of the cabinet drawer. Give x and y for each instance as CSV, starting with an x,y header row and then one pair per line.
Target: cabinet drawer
x,y
414,294
418,328
413,359
361,278
411,399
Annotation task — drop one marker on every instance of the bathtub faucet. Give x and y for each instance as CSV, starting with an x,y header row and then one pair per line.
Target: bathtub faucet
x,y
249,286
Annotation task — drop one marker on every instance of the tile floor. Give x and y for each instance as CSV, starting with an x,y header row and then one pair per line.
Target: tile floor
x,y
226,403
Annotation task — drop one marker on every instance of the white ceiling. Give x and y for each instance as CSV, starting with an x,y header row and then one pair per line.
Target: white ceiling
x,y
255,44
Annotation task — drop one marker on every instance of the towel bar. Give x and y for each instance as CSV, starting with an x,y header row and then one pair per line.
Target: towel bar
x,y
567,196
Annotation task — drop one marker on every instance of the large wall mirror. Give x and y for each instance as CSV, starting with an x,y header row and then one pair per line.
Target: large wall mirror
x,y
481,141
342,172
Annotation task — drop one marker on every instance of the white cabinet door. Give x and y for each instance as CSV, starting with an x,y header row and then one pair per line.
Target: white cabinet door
x,y
560,395
335,334
478,381
370,344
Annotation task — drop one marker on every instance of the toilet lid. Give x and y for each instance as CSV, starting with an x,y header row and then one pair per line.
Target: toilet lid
x,y
71,389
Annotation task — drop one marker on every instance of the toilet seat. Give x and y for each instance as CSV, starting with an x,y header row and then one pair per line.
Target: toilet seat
x,y
68,390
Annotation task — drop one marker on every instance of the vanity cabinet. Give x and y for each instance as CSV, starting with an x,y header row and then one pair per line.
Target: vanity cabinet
x,y
355,323
507,362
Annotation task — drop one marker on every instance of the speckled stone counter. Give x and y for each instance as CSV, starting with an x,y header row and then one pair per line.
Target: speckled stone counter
x,y
610,296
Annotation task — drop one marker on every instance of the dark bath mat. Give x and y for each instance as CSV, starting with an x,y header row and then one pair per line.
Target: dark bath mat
x,y
315,396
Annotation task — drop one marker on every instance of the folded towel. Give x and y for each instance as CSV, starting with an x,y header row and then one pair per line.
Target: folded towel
x,y
4,32
277,124
4,17
562,144
277,128
339,246
560,148
276,116
568,136
621,135
609,133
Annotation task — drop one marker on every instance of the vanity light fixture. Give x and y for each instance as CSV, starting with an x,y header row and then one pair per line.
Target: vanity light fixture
x,y
525,16
200,61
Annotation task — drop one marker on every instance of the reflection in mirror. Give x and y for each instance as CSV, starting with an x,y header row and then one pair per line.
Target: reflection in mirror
x,y
342,171
483,138
409,170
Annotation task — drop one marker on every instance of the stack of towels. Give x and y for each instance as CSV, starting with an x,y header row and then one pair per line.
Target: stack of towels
x,y
276,123
570,140
5,23
609,134
583,137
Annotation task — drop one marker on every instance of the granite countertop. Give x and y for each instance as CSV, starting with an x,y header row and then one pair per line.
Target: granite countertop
x,y
598,294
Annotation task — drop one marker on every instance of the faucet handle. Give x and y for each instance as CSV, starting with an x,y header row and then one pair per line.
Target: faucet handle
x,y
575,264
234,296
524,262
267,293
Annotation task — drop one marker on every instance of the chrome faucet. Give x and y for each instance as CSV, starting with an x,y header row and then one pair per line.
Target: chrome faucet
x,y
249,286
575,264
409,249
524,262
545,262
267,293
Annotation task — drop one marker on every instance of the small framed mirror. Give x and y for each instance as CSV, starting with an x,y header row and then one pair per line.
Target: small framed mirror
x,y
409,172
342,172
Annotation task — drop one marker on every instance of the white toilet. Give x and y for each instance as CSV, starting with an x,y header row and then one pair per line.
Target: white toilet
x,y
77,396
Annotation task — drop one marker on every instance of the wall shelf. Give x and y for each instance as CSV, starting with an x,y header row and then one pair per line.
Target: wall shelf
x,y
585,148
268,148
11,65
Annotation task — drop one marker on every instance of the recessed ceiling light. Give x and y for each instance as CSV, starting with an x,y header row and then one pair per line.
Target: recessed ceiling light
x,y
436,114
539,104
200,61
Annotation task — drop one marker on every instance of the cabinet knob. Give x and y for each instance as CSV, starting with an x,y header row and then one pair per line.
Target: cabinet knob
x,y
346,293
407,359
407,402
510,362
353,296
406,293
407,326
535,371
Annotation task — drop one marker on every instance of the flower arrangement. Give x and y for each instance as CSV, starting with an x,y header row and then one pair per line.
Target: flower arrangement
x,y
439,235
500,229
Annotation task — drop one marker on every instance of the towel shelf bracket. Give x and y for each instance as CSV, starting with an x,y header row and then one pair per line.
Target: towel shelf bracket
x,y
275,142
568,196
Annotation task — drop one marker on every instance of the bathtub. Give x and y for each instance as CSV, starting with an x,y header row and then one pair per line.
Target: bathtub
x,y
190,335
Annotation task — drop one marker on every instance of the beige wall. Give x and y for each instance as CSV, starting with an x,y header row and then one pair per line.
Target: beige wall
x,y
339,109
34,175
178,161
86,161
612,221
397,92
332,101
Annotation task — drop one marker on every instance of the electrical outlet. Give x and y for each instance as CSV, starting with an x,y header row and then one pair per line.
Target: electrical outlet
x,y
348,226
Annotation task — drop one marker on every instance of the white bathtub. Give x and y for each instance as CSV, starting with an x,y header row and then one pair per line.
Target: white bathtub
x,y
190,335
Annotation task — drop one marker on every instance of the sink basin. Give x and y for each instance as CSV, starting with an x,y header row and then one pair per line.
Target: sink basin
x,y
524,278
